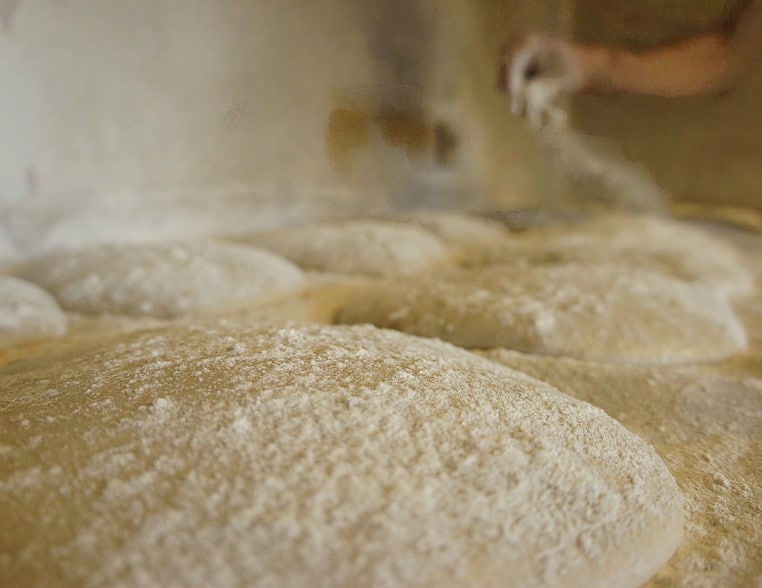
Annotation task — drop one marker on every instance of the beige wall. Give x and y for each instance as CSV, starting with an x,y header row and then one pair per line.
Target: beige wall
x,y
104,96
257,111
123,105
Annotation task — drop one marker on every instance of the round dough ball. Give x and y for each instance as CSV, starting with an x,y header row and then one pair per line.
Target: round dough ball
x,y
319,456
706,427
161,280
8,253
603,312
27,313
370,248
674,247
458,229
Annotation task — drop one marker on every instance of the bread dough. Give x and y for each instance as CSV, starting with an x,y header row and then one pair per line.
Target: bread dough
x,y
161,280
705,426
318,456
370,248
677,248
458,229
27,313
8,251
605,312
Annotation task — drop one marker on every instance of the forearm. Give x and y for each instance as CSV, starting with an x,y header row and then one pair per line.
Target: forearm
x,y
695,66
544,67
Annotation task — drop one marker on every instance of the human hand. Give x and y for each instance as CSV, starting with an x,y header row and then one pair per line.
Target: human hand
x,y
537,72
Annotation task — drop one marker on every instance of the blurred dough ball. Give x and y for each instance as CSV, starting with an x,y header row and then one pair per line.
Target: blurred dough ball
x,y
458,229
604,312
161,280
361,247
27,313
675,247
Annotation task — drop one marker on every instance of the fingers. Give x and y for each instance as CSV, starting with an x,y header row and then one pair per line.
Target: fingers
x,y
541,108
525,69
534,77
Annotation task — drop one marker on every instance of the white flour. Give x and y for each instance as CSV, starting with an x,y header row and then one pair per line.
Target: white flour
x,y
318,456
27,313
161,280
604,311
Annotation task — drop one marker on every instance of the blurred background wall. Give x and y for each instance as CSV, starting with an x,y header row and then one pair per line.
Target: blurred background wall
x,y
134,119
315,106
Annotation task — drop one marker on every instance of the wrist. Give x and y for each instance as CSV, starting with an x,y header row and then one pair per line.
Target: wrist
x,y
599,66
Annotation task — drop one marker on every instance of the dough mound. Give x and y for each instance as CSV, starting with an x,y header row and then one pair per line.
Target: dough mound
x,y
370,248
671,246
459,229
27,313
705,427
603,312
160,280
319,456
8,253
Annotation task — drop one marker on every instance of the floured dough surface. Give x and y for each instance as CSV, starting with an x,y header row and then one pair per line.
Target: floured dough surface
x,y
7,250
459,229
706,426
368,247
318,456
604,312
677,248
161,280
27,313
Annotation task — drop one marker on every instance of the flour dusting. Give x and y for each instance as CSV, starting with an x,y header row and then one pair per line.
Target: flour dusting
x,y
342,456
605,311
706,428
27,313
362,247
160,280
